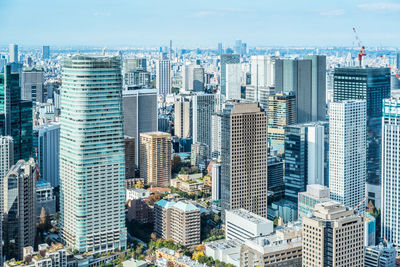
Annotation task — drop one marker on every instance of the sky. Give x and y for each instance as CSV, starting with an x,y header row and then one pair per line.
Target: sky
x,y
199,23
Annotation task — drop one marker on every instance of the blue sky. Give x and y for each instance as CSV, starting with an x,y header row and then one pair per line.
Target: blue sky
x,y
200,23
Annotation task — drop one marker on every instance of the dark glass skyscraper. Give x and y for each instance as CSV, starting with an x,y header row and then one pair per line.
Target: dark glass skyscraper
x,y
15,115
371,85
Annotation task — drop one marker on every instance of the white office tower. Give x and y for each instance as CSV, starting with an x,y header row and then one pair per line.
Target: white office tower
x,y
216,137
193,78
347,151
263,70
391,170
163,76
216,181
48,144
183,117
13,53
203,108
92,158
233,73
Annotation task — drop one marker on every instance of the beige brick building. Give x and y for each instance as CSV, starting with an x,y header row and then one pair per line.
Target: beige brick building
x,y
179,221
155,158
333,236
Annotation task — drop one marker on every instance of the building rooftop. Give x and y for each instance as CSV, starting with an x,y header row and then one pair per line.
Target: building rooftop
x,y
155,134
42,184
224,244
252,217
166,204
186,207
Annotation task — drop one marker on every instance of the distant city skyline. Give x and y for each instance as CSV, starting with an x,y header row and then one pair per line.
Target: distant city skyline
x,y
204,24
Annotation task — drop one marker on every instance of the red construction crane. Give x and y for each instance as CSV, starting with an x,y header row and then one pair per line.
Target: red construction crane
x,y
362,201
390,66
361,54
37,165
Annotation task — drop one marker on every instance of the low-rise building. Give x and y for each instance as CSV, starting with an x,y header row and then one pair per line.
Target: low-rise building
x,y
46,256
242,224
380,256
136,193
227,251
282,248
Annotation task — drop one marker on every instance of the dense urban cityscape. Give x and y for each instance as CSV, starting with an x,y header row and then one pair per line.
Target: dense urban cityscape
x,y
231,155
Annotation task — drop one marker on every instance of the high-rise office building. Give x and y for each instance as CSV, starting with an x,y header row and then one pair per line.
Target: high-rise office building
x,y
19,208
220,49
199,155
155,158
398,61
45,52
17,119
307,79
347,151
32,85
259,94
13,53
183,117
276,185
371,85
48,152
281,112
305,157
390,187
216,135
130,157
232,82
262,71
333,236
163,76
92,158
6,161
238,47
135,73
203,107
193,78
227,59
140,114
244,157
216,181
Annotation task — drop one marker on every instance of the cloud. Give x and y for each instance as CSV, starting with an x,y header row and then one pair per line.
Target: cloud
x,y
380,7
219,12
333,12
101,14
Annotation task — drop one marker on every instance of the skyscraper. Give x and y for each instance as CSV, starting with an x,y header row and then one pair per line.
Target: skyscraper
x,y
262,71
193,78
398,61
220,49
155,158
347,151
183,117
45,52
203,108
19,208
92,159
48,150
163,76
333,236
32,85
281,112
140,114
304,157
232,82
390,187
244,157
371,85
307,79
17,118
227,59
13,53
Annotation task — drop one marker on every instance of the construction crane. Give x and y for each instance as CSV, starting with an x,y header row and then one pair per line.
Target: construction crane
x,y
362,53
390,66
37,165
362,201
